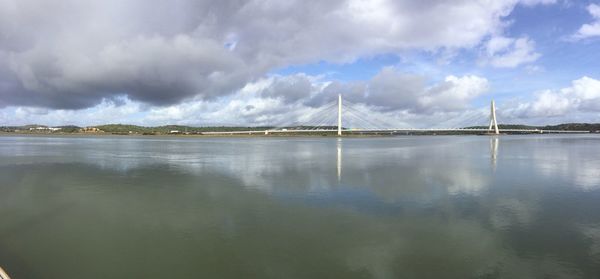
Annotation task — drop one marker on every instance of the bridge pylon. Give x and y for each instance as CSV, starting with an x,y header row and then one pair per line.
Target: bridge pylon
x,y
493,121
339,129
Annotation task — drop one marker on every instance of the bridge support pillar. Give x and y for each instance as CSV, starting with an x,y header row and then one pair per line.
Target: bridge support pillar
x,y
493,121
339,131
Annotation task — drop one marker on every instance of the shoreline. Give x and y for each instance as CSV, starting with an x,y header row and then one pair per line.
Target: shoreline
x,y
279,135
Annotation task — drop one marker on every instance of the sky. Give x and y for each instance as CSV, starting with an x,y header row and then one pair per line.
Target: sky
x,y
265,62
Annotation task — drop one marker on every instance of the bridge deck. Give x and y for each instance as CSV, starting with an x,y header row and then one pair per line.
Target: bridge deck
x,y
394,131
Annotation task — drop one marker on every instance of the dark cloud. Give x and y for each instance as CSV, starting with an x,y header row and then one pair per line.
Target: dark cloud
x,y
74,53
289,88
152,70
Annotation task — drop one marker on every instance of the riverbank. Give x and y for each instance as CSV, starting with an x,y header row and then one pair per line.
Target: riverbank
x,y
234,135
347,134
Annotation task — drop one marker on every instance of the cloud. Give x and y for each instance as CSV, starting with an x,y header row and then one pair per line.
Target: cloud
x,y
72,54
154,70
589,30
388,90
583,96
289,88
108,111
534,69
504,52
391,89
537,2
395,90
353,91
399,97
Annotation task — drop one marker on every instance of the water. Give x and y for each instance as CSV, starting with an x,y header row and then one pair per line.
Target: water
x,y
397,207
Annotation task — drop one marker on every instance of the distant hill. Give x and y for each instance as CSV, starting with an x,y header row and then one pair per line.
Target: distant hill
x,y
125,129
592,127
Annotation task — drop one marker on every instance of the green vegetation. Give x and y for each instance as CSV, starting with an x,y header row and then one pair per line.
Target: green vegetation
x,y
134,129
592,127
8,129
69,129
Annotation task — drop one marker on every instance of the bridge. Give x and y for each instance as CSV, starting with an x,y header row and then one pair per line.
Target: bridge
x,y
320,122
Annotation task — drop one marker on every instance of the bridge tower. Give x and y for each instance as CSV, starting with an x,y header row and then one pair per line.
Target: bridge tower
x,y
339,114
493,122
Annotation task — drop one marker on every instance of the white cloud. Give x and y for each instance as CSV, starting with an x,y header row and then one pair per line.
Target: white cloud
x,y
534,69
583,96
498,44
393,90
504,52
108,111
455,93
590,29
549,103
536,2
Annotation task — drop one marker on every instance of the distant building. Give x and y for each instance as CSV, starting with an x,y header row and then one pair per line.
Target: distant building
x,y
91,130
44,129
174,132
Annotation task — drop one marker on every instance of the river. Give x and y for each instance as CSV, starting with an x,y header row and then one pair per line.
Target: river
x,y
271,207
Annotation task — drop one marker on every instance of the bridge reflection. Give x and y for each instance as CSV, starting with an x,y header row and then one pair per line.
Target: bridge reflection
x,y
339,159
494,151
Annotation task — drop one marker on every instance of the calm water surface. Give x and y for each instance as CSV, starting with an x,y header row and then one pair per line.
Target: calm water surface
x,y
398,207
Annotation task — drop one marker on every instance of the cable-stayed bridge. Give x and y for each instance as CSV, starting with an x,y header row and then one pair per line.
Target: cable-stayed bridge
x,y
347,118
